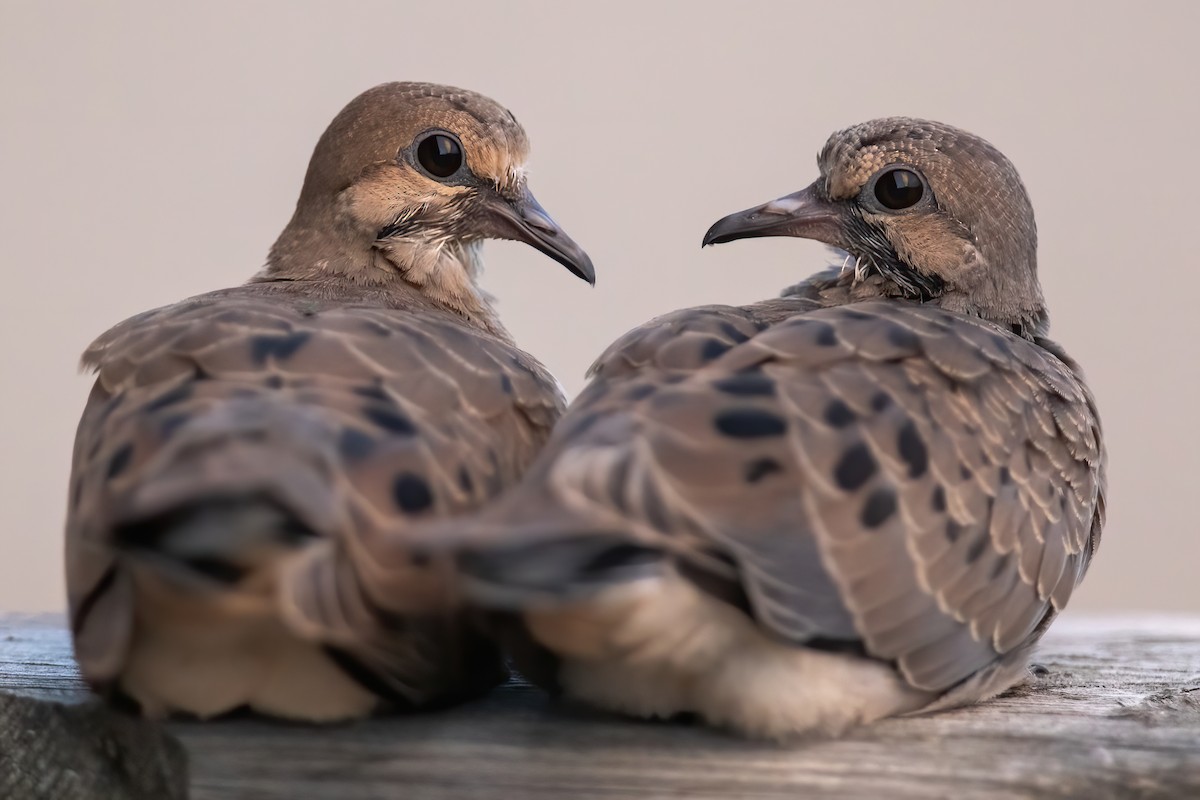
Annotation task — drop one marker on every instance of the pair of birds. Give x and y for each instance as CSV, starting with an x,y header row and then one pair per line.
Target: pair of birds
x,y
341,487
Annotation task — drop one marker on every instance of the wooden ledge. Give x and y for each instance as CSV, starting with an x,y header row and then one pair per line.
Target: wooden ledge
x,y
1116,716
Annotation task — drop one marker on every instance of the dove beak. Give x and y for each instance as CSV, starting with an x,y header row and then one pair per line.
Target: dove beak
x,y
522,219
806,214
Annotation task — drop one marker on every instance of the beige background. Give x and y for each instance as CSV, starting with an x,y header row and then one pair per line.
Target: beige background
x,y
150,152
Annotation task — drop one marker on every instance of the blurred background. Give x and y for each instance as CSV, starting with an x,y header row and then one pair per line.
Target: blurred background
x,y
150,151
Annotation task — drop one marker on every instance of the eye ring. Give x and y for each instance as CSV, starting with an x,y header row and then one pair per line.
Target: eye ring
x,y
439,154
898,188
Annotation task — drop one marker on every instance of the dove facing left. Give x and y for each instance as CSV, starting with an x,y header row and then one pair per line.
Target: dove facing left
x,y
240,448
868,497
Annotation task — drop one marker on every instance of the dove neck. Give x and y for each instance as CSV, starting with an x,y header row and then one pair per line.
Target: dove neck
x,y
1013,304
405,273
1010,297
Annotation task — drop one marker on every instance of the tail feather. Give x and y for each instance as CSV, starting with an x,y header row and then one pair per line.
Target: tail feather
x,y
517,574
218,500
212,538
231,488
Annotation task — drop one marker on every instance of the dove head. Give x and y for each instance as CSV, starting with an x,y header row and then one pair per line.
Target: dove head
x,y
406,182
926,212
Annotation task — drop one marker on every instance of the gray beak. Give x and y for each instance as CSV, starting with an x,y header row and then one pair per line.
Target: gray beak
x,y
524,220
805,214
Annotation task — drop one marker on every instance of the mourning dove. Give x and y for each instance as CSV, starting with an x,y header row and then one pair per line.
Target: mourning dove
x,y
362,379
865,498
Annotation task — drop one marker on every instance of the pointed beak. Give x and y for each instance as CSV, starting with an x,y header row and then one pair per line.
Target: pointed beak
x,y
806,214
524,220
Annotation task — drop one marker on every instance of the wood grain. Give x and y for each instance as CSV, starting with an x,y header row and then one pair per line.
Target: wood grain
x,y
1116,716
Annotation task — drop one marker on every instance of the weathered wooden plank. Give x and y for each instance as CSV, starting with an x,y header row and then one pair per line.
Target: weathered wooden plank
x,y
1117,715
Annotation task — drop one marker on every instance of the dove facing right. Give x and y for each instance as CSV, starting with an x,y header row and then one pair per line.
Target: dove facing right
x,y
865,498
237,444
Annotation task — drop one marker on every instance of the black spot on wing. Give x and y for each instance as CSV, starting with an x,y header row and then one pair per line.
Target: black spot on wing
x,y
912,450
826,335
838,414
411,493
373,391
880,505
281,348
746,384
713,348
760,468
938,500
749,423
390,420
855,467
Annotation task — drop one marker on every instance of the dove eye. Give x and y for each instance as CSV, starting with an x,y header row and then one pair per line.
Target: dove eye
x,y
439,154
899,188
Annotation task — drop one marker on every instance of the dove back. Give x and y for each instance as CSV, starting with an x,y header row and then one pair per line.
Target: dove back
x,y
865,498
248,457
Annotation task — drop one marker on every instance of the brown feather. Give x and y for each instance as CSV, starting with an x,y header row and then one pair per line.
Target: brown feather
x,y
252,458
924,479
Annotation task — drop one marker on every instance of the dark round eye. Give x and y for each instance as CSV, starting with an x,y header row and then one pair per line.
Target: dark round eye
x,y
440,155
900,188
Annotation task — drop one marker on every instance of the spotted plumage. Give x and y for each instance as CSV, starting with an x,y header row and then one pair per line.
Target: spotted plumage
x,y
241,446
867,497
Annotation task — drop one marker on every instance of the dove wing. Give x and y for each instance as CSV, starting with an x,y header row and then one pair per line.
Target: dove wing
x,y
349,420
922,482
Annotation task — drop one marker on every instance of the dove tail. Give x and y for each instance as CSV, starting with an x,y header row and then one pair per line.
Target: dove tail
x,y
230,491
512,575
204,535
